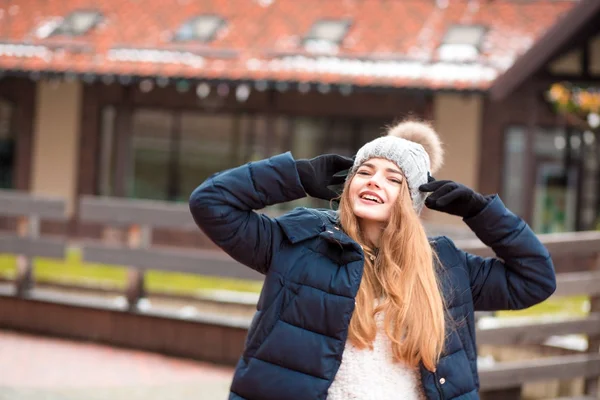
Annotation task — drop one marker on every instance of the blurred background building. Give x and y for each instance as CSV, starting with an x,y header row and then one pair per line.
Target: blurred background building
x,y
145,99
106,101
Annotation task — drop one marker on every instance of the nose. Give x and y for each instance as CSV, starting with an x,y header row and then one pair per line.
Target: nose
x,y
374,181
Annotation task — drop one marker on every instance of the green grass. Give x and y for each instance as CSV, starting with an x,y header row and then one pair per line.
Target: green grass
x,y
74,271
575,306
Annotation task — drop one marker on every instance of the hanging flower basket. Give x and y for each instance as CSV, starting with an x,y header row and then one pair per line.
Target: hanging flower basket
x,y
583,103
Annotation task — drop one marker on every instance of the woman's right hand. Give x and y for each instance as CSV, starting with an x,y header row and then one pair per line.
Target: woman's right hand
x,y
316,174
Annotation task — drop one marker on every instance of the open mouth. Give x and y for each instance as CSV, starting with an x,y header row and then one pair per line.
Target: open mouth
x,y
372,198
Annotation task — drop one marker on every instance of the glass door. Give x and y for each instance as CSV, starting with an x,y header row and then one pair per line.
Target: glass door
x,y
564,193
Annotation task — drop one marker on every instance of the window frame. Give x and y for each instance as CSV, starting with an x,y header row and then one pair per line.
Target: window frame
x,y
65,28
312,37
190,23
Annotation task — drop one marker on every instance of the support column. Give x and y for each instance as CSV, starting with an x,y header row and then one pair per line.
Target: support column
x,y
458,122
56,140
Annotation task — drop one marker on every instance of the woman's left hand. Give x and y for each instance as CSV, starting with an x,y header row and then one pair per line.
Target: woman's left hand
x,y
453,198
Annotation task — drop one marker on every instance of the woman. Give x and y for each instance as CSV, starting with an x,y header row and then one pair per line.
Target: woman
x,y
358,303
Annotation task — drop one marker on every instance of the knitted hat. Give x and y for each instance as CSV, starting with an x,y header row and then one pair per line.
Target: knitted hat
x,y
414,147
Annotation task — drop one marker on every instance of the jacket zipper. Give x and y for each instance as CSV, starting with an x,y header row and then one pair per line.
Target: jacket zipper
x,y
437,385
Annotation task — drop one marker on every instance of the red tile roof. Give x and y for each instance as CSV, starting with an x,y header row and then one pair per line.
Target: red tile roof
x,y
391,43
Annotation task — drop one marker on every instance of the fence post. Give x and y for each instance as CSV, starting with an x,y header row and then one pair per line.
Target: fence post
x,y
591,384
137,237
26,227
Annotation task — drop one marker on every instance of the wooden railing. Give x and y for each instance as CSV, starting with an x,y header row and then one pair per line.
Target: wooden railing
x,y
26,242
507,377
139,219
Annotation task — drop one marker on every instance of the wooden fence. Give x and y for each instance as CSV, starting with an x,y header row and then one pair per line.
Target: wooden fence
x,y
26,241
220,338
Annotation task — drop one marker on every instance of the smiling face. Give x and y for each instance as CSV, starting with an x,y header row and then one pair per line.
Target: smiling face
x,y
374,190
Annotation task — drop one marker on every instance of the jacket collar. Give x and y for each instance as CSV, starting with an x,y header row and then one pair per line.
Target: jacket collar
x,y
305,223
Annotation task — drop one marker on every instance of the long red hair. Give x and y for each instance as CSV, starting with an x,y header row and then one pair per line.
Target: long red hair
x,y
403,279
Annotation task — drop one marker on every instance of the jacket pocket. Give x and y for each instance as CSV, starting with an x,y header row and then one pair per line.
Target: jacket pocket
x,y
454,375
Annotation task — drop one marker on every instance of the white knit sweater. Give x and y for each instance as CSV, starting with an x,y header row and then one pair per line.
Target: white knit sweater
x,y
372,375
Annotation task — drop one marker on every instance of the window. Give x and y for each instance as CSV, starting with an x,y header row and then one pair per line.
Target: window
x,y
78,23
464,34
556,174
514,165
326,35
313,136
202,28
151,156
171,152
462,42
207,143
7,145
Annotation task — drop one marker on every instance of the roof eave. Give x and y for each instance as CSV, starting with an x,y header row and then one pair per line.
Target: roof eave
x,y
544,49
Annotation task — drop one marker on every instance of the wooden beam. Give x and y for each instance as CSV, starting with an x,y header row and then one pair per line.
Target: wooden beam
x,y
580,243
585,59
546,78
123,212
577,283
201,262
537,333
577,398
217,263
19,203
103,322
516,373
590,385
30,247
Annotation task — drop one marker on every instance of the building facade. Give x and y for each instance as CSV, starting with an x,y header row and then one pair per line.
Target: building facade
x,y
153,129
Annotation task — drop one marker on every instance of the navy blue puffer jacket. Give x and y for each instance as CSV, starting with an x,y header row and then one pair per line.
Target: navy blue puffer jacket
x,y
313,270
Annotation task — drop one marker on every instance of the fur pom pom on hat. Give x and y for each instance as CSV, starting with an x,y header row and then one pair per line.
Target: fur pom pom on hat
x,y
414,147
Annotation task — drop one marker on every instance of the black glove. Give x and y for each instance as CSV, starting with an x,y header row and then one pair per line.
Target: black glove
x,y
340,180
318,173
453,198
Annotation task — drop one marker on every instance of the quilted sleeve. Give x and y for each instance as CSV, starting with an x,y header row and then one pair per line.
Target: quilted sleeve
x,y
222,206
522,275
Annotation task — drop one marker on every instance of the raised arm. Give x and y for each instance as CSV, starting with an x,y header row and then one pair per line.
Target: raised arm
x,y
522,275
223,205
